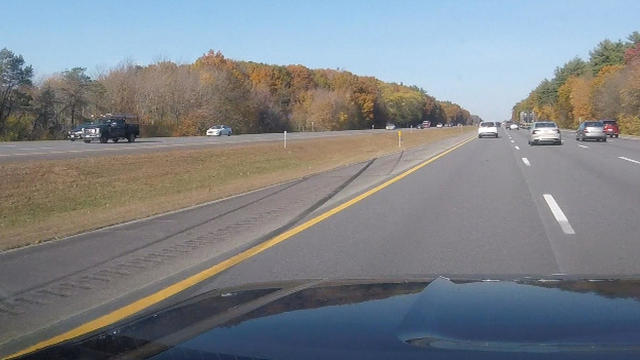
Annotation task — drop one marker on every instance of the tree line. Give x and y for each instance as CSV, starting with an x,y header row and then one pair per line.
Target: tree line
x,y
607,86
185,99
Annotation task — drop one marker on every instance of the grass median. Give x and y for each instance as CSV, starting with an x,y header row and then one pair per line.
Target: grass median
x,y
49,199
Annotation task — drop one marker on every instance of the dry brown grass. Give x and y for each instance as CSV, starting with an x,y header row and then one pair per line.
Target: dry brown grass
x,y
42,200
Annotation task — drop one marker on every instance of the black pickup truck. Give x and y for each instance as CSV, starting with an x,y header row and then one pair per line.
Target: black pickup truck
x,y
111,128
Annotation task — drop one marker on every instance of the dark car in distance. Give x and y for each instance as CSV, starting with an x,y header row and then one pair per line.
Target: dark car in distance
x,y
76,133
112,128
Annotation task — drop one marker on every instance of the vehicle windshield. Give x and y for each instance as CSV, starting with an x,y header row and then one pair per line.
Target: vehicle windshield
x,y
364,140
545,125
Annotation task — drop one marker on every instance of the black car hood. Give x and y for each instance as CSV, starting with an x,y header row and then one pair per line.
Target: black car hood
x,y
435,319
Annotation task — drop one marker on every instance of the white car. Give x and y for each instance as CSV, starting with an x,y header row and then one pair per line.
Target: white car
x,y
219,130
439,125
545,132
488,128
513,127
390,127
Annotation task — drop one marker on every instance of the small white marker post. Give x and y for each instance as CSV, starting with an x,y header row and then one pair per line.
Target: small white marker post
x,y
285,139
399,138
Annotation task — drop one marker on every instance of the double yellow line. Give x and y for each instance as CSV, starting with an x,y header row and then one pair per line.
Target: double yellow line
x,y
171,290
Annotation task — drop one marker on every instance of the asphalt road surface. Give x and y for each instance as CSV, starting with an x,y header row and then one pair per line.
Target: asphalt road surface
x,y
489,208
494,206
57,149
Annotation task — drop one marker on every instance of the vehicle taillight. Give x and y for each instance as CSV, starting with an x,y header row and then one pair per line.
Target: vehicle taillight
x,y
586,130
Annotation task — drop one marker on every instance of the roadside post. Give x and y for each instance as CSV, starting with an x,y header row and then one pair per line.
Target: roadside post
x,y
399,138
285,139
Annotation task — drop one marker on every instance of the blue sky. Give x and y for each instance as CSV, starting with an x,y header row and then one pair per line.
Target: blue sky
x,y
484,55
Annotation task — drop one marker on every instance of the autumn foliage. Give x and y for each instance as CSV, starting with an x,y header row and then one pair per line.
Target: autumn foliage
x,y
605,87
186,99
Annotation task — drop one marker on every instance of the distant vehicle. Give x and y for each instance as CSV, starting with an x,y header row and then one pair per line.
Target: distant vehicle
x,y
219,130
593,130
390,127
439,125
611,128
112,128
545,132
514,127
77,132
487,128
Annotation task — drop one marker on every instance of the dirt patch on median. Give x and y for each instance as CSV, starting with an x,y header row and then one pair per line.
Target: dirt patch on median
x,y
48,199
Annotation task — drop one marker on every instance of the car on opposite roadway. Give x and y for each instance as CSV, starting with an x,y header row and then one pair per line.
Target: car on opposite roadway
x,y
611,128
593,130
514,127
487,128
545,132
390,127
76,133
112,127
219,130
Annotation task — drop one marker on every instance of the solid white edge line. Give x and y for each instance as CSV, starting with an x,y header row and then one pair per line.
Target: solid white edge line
x,y
558,214
630,160
526,161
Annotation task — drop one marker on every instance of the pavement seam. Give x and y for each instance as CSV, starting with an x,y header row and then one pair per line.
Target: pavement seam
x,y
153,242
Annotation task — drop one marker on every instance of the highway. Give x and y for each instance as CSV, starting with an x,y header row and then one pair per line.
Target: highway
x,y
57,149
489,208
494,206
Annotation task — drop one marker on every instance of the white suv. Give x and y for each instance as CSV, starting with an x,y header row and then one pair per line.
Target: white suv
x,y
488,128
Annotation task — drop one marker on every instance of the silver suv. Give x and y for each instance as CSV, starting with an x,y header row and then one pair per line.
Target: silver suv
x,y
591,130
544,132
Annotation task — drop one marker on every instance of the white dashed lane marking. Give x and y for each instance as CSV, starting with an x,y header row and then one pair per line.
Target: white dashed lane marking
x,y
558,214
629,160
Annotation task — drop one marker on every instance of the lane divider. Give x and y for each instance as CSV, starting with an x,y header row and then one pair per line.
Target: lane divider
x,y
512,141
630,160
171,290
583,146
517,147
558,214
526,161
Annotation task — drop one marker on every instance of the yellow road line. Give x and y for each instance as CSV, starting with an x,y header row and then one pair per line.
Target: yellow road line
x,y
182,285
